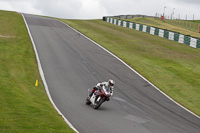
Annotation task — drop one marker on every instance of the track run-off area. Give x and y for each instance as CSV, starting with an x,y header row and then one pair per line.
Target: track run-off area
x,y
72,64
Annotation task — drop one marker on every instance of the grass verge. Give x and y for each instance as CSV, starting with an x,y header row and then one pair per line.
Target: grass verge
x,y
172,67
24,107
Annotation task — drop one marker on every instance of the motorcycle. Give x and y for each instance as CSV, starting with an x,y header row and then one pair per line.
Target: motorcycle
x,y
99,96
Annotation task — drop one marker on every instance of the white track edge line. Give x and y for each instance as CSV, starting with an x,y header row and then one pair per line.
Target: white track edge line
x,y
133,71
43,77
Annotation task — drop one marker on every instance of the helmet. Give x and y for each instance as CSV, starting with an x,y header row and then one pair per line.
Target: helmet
x,y
111,82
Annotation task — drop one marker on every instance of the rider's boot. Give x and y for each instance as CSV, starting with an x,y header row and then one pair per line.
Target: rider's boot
x,y
91,94
94,89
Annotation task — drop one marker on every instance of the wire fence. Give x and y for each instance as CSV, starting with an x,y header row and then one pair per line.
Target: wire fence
x,y
187,24
193,25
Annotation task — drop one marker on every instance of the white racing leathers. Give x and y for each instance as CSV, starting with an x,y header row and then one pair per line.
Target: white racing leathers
x,y
106,86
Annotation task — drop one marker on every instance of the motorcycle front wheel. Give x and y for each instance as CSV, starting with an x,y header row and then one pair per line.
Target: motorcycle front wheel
x,y
97,104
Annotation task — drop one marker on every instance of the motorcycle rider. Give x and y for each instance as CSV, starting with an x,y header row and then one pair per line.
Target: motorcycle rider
x,y
109,84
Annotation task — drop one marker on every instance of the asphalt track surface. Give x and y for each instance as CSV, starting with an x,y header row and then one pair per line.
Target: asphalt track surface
x,y
72,64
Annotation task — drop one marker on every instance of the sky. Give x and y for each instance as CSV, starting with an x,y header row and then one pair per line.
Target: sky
x,y
96,9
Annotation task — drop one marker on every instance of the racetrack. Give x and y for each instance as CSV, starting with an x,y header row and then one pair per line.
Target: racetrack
x,y
72,64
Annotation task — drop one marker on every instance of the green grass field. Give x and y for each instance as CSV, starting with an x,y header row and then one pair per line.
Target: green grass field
x,y
171,66
24,107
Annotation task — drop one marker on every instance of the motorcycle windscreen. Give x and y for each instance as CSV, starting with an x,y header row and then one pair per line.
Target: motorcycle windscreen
x,y
107,90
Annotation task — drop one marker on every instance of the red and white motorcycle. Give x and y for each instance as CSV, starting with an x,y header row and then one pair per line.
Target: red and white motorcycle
x,y
99,96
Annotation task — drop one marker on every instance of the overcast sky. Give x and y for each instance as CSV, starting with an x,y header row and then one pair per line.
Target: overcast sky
x,y
96,9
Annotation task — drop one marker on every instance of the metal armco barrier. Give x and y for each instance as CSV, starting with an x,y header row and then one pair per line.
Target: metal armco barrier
x,y
174,36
